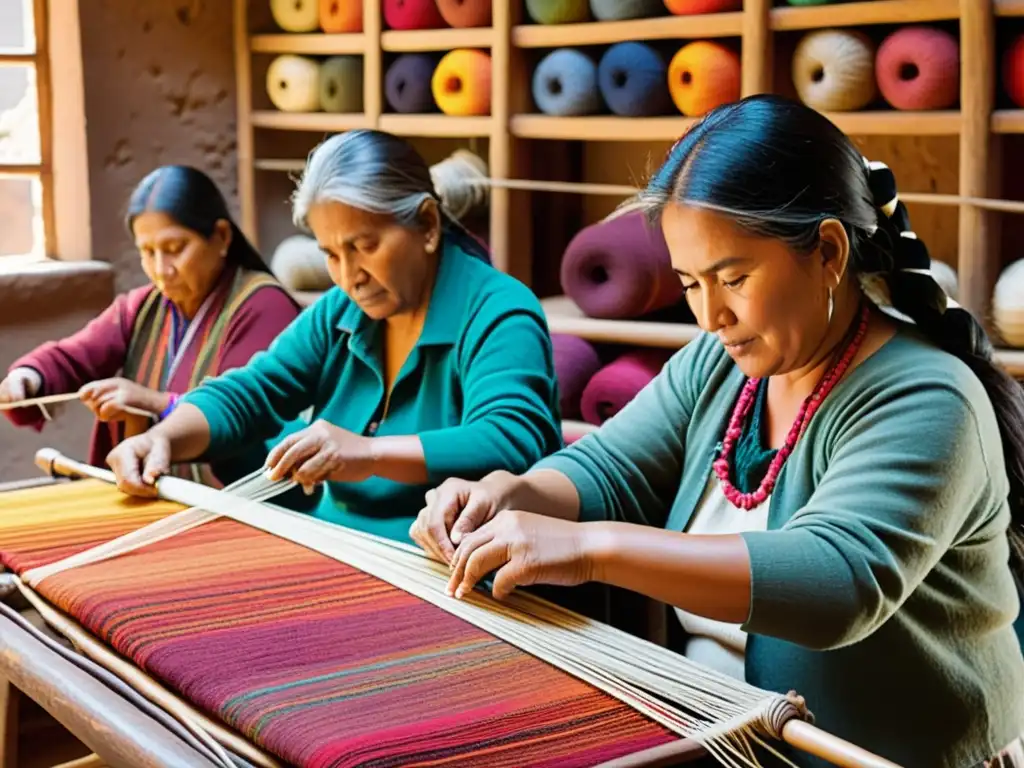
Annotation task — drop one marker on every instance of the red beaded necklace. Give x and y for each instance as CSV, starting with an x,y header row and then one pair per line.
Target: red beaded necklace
x,y
807,410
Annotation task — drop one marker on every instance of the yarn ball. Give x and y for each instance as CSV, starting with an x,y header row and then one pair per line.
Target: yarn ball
x,y
300,265
339,17
412,14
618,10
296,15
293,83
703,75
341,84
834,70
1008,304
558,11
1013,71
461,182
407,83
576,362
465,13
631,77
689,7
946,277
462,82
565,83
613,387
919,68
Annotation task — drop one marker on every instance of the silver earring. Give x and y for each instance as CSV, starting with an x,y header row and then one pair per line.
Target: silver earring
x,y
831,306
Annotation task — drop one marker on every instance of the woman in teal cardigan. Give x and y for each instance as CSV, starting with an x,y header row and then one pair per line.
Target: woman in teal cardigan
x,y
408,363
826,486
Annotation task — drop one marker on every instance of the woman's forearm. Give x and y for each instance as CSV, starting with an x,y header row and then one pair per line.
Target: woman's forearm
x,y
702,574
187,431
399,458
546,492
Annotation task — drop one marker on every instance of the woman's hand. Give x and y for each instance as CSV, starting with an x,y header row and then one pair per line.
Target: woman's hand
x,y
138,461
322,452
108,399
20,384
524,548
457,507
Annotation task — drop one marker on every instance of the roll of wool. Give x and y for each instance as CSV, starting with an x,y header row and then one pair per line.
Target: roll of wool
x,y
1008,304
461,84
293,83
558,11
565,83
631,77
341,84
296,15
620,268
576,363
691,7
465,13
834,70
412,14
1013,71
614,386
339,17
946,277
619,10
703,75
407,83
300,264
918,68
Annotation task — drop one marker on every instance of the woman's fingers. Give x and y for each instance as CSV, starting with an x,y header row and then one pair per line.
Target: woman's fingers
x,y
486,557
469,545
279,450
157,462
478,508
315,469
126,463
293,456
417,534
439,516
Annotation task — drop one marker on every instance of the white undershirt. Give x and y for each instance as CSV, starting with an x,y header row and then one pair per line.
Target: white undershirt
x,y
717,644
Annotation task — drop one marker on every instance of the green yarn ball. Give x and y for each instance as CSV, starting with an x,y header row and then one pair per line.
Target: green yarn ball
x,y
558,11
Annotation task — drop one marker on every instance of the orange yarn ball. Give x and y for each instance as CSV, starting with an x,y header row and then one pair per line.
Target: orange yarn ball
x,y
1013,71
703,75
462,83
341,16
688,7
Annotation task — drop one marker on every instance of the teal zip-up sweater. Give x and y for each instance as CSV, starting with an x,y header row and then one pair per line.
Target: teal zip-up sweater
x,y
880,591
478,388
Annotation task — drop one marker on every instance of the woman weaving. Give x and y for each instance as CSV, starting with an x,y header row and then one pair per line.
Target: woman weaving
x,y
406,363
822,485
210,304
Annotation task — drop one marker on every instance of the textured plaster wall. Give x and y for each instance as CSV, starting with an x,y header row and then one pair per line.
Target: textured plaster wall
x,y
159,88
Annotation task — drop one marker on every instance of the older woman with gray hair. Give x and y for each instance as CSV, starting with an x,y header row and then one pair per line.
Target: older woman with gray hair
x,y
425,362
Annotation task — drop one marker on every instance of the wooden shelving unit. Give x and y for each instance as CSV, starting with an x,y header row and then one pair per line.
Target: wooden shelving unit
x,y
513,128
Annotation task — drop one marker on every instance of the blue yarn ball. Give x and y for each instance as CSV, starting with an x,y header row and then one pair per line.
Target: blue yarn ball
x,y
565,83
633,79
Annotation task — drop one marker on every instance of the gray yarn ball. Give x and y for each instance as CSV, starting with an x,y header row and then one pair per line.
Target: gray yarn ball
x,y
565,83
617,10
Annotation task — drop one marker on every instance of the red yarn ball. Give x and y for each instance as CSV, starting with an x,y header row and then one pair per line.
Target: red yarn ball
x,y
1013,71
918,68
688,7
412,14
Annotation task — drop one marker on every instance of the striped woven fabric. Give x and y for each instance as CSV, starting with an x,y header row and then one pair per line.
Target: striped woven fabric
x,y
314,661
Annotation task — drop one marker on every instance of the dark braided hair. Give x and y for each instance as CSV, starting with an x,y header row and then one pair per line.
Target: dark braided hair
x,y
778,169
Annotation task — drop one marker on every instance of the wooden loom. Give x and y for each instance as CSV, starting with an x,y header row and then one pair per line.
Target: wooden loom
x,y
129,725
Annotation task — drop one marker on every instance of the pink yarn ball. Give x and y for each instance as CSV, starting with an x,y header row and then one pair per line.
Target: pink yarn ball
x,y
918,68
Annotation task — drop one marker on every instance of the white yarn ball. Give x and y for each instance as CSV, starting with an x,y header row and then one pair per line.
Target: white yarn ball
x,y
1008,304
296,15
946,277
300,265
293,83
834,70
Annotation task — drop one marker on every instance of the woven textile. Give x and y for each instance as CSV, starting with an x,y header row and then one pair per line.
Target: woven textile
x,y
315,661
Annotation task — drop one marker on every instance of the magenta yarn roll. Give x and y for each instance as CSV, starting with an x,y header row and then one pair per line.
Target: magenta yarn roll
x,y
576,362
620,268
612,387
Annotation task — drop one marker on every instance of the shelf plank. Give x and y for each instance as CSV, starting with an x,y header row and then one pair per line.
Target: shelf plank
x,y
565,317
309,121
1011,360
1008,121
309,44
604,32
895,123
443,126
1009,7
599,128
408,41
858,13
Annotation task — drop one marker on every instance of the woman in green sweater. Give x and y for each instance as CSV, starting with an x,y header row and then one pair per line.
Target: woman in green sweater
x,y
405,363
827,486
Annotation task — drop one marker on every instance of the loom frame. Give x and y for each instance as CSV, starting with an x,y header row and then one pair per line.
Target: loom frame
x,y
120,734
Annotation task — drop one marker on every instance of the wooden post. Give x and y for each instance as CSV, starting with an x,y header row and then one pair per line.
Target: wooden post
x,y
9,696
756,56
500,154
373,63
245,155
44,106
978,263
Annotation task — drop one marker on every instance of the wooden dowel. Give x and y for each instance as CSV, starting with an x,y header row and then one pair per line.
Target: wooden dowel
x,y
65,398
814,741
89,761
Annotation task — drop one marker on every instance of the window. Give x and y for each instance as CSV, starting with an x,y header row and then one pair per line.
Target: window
x,y
26,169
